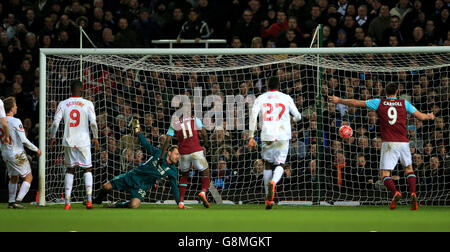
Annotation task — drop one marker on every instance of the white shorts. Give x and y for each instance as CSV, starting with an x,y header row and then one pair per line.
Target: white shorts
x,y
197,159
17,164
392,152
275,152
79,156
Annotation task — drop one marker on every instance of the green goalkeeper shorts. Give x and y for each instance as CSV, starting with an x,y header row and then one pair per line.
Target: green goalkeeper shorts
x,y
124,182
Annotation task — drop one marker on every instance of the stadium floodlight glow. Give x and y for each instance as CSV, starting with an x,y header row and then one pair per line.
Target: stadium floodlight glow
x,y
305,73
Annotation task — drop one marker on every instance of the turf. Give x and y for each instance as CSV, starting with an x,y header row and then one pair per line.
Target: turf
x,y
225,218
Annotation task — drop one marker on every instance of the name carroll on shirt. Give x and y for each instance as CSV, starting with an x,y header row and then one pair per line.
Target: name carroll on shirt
x,y
395,104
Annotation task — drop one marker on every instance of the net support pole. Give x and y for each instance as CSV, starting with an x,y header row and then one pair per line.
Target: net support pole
x,y
42,125
320,138
81,56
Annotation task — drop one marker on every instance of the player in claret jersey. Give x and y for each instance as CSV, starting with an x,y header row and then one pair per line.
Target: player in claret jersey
x,y
275,109
78,115
14,155
187,131
393,113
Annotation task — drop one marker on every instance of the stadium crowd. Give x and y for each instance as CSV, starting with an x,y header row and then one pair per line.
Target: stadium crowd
x,y
27,26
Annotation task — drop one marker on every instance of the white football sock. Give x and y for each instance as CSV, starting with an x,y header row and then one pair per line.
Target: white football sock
x,y
88,185
12,189
23,191
277,174
267,178
68,185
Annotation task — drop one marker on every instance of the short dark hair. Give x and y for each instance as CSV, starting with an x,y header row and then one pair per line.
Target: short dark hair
x,y
391,88
76,86
8,103
274,83
172,148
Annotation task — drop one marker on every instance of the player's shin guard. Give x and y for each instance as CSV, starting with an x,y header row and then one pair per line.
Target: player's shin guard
x,y
182,186
23,191
12,190
412,180
277,174
389,183
68,185
88,184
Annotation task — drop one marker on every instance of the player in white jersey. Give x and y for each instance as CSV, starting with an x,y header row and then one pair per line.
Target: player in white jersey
x,y
275,109
15,157
4,129
78,115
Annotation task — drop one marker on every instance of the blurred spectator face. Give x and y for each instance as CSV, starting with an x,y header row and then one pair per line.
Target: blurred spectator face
x,y
361,161
393,41
76,7
417,159
362,11
349,21
64,19
418,33
98,13
177,14
236,43
254,5
143,15
108,35
97,26
428,149
384,11
281,17
444,14
193,16
315,11
292,23
203,3
123,23
434,163
30,15
403,3
359,33
258,166
109,16
368,42
247,16
395,23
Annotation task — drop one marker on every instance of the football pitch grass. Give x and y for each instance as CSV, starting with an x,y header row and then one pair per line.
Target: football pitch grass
x,y
225,218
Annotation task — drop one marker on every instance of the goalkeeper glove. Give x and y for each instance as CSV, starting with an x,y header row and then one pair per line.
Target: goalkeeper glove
x,y
135,125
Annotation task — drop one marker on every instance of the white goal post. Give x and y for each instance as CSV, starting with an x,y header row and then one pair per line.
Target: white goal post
x,y
344,64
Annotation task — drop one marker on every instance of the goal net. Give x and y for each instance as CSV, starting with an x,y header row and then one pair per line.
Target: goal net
x,y
221,86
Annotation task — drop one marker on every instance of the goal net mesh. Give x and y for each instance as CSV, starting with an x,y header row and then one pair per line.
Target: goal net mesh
x,y
320,166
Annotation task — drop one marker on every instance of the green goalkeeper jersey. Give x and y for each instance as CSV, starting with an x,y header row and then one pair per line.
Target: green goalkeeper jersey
x,y
145,175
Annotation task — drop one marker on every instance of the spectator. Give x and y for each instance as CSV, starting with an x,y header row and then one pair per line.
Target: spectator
x,y
402,8
273,31
146,28
126,37
194,28
379,25
222,175
246,28
173,27
363,20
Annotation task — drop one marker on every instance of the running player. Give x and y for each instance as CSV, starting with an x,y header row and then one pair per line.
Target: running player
x,y
393,114
78,115
14,155
275,109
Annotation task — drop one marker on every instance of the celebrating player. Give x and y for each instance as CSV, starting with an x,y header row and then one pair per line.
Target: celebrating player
x,y
393,114
275,109
77,113
15,156
187,131
4,129
138,180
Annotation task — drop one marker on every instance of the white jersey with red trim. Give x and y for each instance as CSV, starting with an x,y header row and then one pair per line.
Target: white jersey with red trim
x,y
17,137
77,113
275,109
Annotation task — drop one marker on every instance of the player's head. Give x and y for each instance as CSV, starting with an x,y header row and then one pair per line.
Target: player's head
x,y
76,88
173,155
392,89
10,105
274,83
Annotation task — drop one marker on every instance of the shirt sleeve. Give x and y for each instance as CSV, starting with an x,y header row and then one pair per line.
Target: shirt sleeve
x,y
21,132
57,119
199,123
293,109
171,131
410,108
153,151
93,120
373,104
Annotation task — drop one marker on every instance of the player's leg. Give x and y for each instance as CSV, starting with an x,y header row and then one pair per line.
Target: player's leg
x,y
185,165
406,161
25,187
88,181
201,164
12,190
388,161
278,152
68,185
104,191
134,203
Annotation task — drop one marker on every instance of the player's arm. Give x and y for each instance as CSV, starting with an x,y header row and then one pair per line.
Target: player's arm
x,y
170,134
54,128
142,140
94,126
23,138
5,127
254,118
347,102
294,111
416,113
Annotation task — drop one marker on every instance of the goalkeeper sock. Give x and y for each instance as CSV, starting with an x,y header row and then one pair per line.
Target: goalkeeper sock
x,y
23,191
277,174
12,189
412,180
88,185
125,204
389,183
182,187
68,186
267,178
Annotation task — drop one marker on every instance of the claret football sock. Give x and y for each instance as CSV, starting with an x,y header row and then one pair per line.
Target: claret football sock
x,y
389,183
412,180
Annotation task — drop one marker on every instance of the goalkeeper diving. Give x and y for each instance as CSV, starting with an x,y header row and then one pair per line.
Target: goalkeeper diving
x,y
139,180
